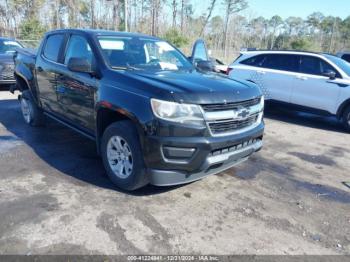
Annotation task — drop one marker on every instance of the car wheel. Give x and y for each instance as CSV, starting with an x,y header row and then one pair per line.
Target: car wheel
x,y
31,113
346,119
122,156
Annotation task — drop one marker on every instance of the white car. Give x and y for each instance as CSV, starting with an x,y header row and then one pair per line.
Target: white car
x,y
314,82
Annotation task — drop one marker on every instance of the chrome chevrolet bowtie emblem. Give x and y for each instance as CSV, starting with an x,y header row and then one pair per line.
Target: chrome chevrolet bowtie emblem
x,y
242,113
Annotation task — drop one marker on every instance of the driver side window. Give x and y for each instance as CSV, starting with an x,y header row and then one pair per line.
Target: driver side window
x,y
327,67
78,47
315,66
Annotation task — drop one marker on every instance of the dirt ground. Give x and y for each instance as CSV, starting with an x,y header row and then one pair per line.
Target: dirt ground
x,y
287,199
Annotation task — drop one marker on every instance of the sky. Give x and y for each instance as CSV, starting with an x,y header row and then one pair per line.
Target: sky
x,y
286,8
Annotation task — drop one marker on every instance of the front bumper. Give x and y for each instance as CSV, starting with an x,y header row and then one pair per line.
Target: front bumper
x,y
212,165
203,156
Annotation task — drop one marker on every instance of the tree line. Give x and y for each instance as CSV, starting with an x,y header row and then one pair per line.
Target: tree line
x,y
225,32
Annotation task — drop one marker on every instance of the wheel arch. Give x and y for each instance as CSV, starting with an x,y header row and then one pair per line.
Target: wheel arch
x,y
21,82
106,114
342,107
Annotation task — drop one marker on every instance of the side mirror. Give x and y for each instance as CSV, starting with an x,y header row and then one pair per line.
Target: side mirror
x,y
82,65
330,73
205,65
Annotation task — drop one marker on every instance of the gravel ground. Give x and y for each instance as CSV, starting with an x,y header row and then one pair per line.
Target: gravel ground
x,y
287,199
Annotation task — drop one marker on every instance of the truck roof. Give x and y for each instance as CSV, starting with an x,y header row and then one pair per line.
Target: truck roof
x,y
98,32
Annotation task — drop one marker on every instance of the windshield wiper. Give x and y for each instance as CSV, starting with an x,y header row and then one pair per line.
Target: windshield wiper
x,y
120,67
128,67
133,67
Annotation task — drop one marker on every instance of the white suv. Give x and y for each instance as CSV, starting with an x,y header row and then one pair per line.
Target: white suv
x,y
314,82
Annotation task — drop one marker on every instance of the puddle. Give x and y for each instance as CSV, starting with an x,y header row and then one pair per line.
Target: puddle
x,y
322,191
315,159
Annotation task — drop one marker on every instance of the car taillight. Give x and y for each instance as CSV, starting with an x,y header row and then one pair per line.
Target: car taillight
x,y
229,69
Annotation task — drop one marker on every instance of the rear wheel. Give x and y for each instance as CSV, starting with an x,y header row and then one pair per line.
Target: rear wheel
x,y
346,118
122,157
31,113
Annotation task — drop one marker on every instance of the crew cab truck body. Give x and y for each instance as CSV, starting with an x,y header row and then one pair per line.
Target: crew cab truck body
x,y
313,82
154,116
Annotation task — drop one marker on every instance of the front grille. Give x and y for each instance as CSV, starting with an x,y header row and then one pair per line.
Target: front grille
x,y
230,106
7,72
230,118
232,125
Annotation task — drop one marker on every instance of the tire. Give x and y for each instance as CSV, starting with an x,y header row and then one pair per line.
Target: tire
x,y
346,119
31,113
122,157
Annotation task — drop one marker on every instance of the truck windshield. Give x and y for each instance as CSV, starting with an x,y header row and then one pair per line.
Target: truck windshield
x,y
342,64
8,46
137,53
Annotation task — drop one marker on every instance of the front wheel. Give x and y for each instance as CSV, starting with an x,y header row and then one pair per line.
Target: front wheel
x,y
122,156
31,113
346,118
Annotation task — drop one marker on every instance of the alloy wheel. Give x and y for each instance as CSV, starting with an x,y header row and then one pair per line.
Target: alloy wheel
x,y
119,157
26,110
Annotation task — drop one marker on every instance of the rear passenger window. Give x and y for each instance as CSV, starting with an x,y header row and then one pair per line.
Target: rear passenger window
x,y
281,62
310,65
52,47
254,61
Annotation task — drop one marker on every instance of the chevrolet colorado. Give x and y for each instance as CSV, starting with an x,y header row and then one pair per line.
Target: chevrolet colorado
x,y
156,116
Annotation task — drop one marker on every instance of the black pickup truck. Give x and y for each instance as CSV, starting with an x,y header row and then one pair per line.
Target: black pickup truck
x,y
157,116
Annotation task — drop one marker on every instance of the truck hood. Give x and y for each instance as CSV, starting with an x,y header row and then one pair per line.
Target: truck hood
x,y
199,88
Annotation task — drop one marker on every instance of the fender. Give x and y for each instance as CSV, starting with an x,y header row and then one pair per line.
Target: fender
x,y
24,73
141,128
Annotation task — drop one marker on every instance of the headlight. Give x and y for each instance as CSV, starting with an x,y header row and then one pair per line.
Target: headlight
x,y
175,112
258,108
